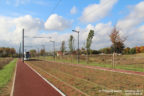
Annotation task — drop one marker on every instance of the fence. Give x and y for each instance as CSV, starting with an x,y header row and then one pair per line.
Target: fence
x,y
128,62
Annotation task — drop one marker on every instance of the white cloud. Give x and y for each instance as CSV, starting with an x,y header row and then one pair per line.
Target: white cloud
x,y
100,40
31,25
73,10
11,28
96,12
28,23
11,31
135,37
131,25
17,2
101,37
58,23
6,25
135,17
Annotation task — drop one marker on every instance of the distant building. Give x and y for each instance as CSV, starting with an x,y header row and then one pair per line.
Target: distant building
x,y
59,53
74,53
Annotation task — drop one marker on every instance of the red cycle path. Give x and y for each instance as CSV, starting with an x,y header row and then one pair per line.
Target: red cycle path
x,y
28,83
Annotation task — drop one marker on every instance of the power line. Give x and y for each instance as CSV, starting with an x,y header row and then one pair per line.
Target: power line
x,y
55,6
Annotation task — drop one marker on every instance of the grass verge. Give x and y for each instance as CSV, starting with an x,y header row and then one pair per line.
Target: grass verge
x,y
6,73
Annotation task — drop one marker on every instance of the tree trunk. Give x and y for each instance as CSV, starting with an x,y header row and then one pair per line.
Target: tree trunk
x,y
87,57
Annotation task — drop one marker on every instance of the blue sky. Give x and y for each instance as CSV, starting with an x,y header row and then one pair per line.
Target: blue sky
x,y
42,10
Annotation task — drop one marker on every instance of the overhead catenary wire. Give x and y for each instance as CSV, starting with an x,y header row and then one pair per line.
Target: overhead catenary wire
x,y
50,14
55,7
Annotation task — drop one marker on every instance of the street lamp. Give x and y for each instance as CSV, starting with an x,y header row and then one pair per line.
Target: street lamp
x,y
23,45
41,38
50,41
78,44
43,45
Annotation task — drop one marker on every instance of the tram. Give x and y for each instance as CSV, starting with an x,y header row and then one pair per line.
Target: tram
x,y
26,55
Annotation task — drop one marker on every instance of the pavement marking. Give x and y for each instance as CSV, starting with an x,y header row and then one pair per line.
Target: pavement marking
x,y
12,90
46,80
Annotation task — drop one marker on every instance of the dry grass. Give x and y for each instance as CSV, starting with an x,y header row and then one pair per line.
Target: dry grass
x,y
4,61
91,81
125,62
119,59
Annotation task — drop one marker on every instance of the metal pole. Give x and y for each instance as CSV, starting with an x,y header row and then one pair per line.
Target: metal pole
x,y
113,60
38,53
23,45
78,47
44,51
20,51
54,49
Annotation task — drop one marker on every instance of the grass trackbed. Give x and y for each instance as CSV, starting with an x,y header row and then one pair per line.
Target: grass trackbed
x,y
88,81
125,62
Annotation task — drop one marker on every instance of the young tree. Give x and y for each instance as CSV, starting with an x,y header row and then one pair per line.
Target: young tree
x,y
12,51
126,50
42,52
71,43
105,50
133,50
63,47
6,51
33,52
137,49
1,52
117,41
142,49
89,42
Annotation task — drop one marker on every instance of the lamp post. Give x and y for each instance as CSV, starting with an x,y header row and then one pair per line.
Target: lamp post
x,y
20,51
50,41
78,44
43,37
23,45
